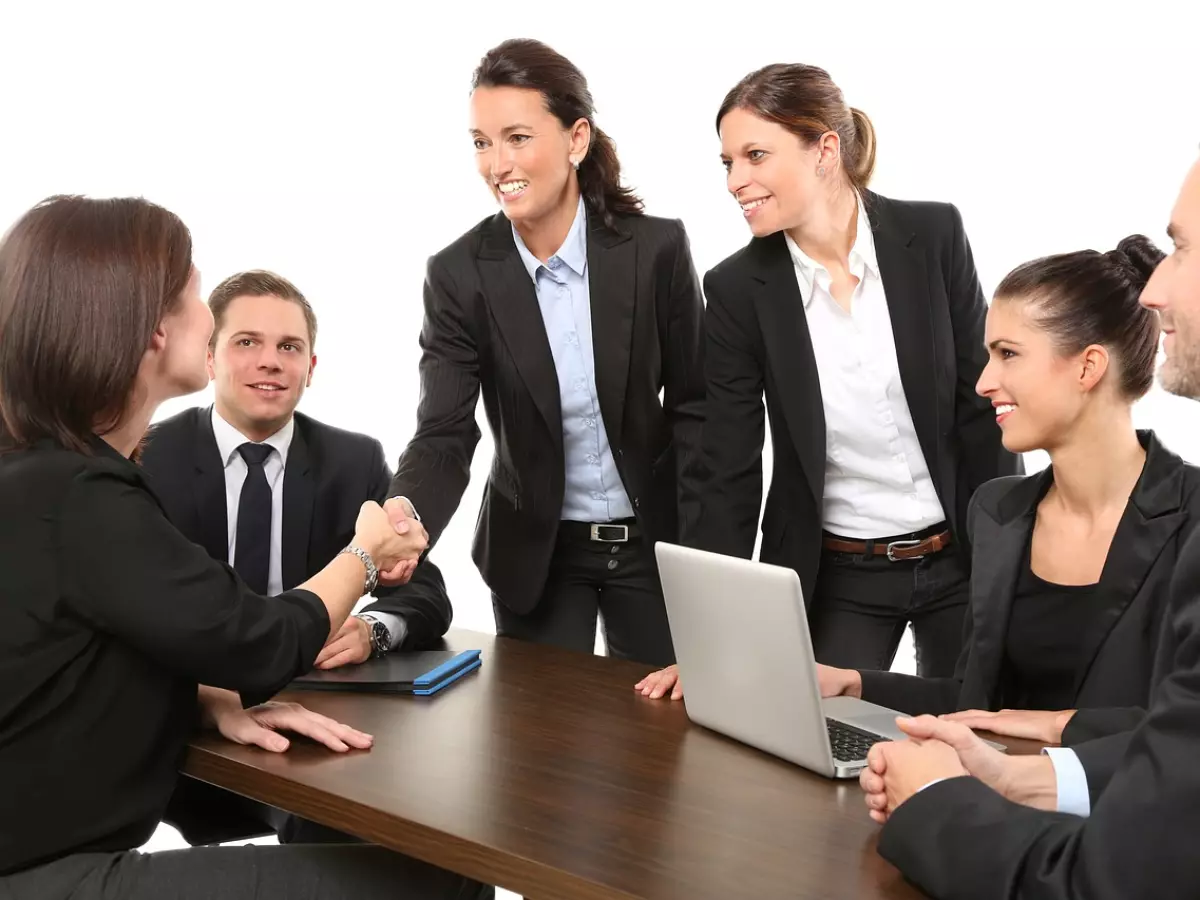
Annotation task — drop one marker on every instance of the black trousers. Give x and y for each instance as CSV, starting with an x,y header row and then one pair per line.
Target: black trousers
x,y
862,605
615,583
354,872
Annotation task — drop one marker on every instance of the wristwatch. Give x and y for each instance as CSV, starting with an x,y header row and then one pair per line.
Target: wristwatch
x,y
381,638
372,571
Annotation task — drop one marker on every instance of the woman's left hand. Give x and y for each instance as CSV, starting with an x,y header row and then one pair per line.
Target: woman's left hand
x,y
260,726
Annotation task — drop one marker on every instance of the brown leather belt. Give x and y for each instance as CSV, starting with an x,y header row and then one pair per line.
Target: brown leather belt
x,y
896,551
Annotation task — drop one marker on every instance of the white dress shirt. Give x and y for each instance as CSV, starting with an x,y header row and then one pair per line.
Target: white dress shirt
x,y
877,482
228,441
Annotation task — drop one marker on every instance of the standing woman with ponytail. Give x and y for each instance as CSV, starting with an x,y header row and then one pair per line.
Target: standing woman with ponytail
x,y
860,321
570,311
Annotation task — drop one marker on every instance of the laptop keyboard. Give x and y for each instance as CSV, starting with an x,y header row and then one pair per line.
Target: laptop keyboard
x,y
848,743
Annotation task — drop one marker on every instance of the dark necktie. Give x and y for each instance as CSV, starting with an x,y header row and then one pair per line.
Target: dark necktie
x,y
252,552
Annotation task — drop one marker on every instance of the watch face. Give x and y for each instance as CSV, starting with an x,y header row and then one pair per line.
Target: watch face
x,y
380,637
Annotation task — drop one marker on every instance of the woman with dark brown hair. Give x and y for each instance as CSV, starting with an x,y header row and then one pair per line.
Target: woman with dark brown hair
x,y
118,636
572,313
860,320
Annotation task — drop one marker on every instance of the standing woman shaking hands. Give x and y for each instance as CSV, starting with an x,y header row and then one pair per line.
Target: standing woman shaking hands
x,y
571,312
860,321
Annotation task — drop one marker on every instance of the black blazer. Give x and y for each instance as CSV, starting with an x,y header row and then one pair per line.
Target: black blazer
x,y
1123,639
758,343
330,473
483,333
958,839
109,619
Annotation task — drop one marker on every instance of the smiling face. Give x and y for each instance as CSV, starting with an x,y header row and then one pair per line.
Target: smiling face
x,y
772,173
1174,291
261,362
1038,393
524,153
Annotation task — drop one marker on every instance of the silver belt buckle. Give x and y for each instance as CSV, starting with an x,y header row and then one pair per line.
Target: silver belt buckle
x,y
608,534
902,545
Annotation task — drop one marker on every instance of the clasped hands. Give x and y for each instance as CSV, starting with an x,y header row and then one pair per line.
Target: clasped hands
x,y
945,747
399,539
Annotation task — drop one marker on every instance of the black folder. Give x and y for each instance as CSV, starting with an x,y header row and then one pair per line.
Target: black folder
x,y
420,672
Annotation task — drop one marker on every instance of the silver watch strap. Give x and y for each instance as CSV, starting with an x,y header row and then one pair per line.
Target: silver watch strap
x,y
372,571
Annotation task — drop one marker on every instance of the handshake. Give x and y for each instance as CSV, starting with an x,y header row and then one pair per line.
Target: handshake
x,y
394,538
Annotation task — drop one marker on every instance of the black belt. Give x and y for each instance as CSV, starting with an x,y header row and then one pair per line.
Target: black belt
x,y
620,532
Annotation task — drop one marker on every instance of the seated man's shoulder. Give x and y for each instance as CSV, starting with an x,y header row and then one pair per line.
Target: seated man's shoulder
x,y
179,427
348,456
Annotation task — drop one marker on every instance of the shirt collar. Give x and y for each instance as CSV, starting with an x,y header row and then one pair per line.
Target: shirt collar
x,y
573,252
229,438
862,255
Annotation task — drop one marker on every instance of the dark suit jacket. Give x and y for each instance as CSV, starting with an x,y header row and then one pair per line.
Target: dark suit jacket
x,y
329,474
109,619
958,839
1123,639
483,333
758,343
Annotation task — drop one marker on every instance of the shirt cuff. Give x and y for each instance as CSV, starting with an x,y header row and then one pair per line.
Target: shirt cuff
x,y
396,626
1073,794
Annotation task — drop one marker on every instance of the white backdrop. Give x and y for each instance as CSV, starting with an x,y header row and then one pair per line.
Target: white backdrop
x,y
328,142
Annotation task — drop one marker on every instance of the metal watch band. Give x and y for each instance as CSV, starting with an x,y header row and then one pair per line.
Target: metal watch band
x,y
372,571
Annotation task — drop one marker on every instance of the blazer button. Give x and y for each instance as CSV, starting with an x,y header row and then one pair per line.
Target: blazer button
x,y
636,503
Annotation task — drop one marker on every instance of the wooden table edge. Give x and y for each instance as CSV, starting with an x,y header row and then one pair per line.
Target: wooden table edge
x,y
422,842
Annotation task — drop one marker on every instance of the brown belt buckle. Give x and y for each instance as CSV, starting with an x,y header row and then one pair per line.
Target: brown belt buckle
x,y
902,545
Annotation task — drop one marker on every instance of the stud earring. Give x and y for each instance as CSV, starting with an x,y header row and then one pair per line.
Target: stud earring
x,y
820,171
575,163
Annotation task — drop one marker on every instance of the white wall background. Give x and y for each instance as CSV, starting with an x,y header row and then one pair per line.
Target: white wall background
x,y
328,142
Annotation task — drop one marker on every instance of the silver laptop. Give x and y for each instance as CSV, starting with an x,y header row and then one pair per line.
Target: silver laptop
x,y
746,661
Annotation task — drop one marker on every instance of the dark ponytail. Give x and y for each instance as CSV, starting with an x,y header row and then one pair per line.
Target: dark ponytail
x,y
1089,297
526,63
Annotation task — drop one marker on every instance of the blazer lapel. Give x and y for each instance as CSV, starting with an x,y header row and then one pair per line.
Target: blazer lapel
x,y
1151,518
299,493
1000,540
789,351
513,302
212,514
612,287
906,284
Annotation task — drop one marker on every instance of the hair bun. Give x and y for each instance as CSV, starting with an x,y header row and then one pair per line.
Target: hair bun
x,y
1138,254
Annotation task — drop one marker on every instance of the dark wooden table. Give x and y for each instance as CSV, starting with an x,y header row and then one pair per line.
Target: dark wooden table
x,y
546,774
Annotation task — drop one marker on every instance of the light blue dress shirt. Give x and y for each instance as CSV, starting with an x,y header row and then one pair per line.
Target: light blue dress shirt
x,y
1073,795
593,490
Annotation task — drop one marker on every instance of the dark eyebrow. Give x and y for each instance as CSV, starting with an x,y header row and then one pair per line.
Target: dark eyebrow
x,y
258,335
519,126
998,341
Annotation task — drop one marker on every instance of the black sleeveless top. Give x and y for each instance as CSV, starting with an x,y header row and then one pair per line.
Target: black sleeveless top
x,y
1042,655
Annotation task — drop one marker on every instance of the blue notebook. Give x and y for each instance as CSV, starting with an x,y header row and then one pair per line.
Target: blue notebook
x,y
420,672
